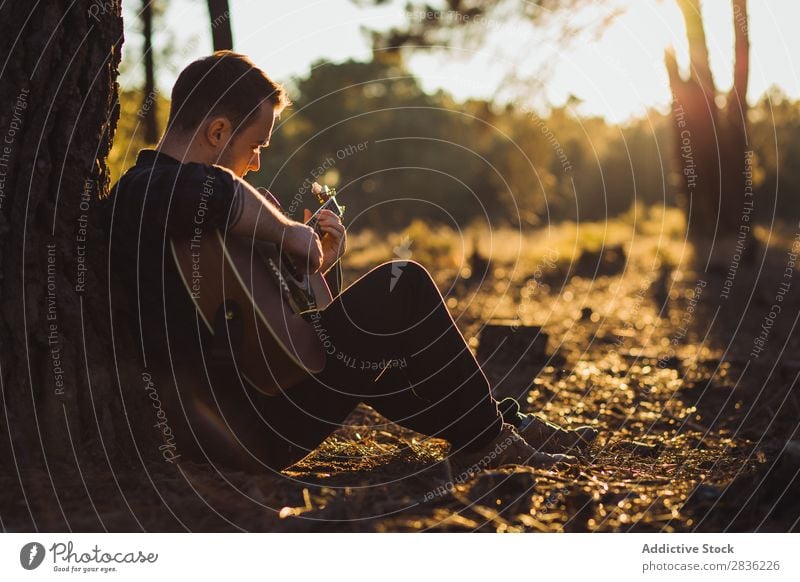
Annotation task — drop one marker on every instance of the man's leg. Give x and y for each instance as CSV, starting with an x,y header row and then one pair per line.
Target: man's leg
x,y
394,317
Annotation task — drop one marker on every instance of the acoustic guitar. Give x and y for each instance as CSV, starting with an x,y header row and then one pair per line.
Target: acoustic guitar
x,y
260,300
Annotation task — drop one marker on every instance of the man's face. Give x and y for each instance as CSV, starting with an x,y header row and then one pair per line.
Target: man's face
x,y
242,153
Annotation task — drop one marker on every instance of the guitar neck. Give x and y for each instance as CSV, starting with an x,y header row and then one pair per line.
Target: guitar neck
x,y
331,204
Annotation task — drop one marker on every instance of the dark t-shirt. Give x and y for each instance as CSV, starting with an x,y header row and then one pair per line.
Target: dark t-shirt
x,y
157,199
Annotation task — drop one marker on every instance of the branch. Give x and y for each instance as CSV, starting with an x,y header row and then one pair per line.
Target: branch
x,y
700,70
741,67
671,63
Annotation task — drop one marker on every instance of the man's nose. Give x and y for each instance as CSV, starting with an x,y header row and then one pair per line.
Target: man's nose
x,y
255,163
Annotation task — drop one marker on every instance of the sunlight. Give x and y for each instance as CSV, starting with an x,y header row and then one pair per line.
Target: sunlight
x,y
621,74
625,67
618,76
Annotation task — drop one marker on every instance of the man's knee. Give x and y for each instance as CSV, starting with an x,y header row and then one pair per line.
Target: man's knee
x,y
400,268
403,276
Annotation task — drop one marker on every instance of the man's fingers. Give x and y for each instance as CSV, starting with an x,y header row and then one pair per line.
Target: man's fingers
x,y
326,216
334,229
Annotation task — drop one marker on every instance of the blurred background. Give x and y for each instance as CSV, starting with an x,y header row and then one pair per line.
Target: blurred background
x,y
557,120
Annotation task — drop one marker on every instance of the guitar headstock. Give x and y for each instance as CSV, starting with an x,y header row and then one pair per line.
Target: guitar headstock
x,y
326,197
323,193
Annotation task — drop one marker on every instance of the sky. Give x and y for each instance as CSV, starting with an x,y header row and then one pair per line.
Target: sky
x,y
618,75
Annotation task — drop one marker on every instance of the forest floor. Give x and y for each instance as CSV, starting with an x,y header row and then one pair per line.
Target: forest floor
x,y
689,438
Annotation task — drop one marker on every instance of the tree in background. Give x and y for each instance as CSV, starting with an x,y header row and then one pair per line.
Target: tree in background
x,y
221,33
711,140
149,105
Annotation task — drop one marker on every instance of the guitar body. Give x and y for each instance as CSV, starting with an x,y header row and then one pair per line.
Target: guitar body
x,y
251,287
254,282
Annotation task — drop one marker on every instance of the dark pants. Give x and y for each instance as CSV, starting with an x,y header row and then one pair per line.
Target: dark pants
x,y
392,344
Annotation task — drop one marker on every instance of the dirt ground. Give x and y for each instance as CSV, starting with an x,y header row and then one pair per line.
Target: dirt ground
x,y
694,436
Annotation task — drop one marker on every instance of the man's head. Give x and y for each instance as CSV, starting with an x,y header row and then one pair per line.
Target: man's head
x,y
223,109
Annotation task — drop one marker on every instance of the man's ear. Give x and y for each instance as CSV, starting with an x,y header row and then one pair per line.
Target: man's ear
x,y
218,131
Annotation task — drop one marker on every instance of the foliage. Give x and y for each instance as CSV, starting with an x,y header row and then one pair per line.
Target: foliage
x,y
429,157
775,137
129,138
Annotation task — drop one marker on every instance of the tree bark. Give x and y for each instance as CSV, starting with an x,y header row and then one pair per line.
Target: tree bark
x,y
59,370
221,33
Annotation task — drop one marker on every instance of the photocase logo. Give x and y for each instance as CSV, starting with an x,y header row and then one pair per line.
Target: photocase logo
x,y
31,555
402,251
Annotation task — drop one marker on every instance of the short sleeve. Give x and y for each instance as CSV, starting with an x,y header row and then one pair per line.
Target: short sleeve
x,y
202,196
174,200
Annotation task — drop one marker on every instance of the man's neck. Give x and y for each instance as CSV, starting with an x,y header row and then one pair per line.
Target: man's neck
x,y
182,149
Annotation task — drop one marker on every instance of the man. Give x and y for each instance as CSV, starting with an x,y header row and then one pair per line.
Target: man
x,y
222,114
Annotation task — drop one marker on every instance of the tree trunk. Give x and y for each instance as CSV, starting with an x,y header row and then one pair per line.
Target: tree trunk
x,y
149,106
221,34
59,375
711,144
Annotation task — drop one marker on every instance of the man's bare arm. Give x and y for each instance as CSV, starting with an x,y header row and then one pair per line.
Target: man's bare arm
x,y
264,221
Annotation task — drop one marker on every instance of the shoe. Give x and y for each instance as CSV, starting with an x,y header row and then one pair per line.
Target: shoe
x,y
508,448
544,435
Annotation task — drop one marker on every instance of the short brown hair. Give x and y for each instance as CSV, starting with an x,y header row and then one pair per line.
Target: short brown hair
x,y
224,83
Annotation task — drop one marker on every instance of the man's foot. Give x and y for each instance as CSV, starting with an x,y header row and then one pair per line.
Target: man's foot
x,y
544,435
508,448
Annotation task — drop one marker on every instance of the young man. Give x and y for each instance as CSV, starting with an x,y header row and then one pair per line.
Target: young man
x,y
222,113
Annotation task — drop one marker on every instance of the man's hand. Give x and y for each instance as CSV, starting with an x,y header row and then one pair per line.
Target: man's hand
x,y
334,237
301,241
262,220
